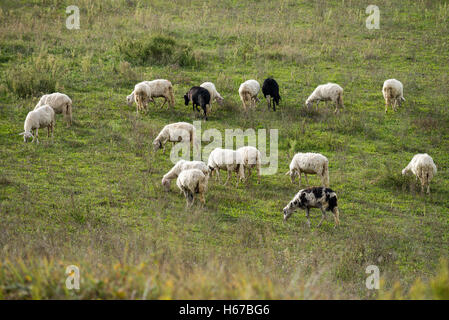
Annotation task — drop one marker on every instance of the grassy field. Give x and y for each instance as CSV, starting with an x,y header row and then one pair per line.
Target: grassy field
x,y
93,197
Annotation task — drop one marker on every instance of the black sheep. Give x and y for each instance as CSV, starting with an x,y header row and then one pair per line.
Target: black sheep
x,y
199,97
270,90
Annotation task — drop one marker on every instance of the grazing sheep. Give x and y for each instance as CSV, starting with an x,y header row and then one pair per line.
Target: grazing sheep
x,y
226,159
175,132
61,103
251,157
309,163
315,197
327,92
191,182
423,167
182,165
248,92
199,97
160,88
42,117
214,95
142,95
393,92
270,90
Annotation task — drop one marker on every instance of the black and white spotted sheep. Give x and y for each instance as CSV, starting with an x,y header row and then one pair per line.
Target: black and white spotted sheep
x,y
314,197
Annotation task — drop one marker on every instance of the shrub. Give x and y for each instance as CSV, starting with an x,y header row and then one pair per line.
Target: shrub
x,y
158,50
35,77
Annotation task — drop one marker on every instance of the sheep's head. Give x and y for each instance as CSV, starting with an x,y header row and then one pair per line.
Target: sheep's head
x,y
26,136
220,101
288,210
157,144
166,184
404,172
211,171
308,104
186,99
129,100
292,175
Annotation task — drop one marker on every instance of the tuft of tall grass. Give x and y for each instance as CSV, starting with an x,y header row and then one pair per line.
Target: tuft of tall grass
x,y
437,288
39,75
159,50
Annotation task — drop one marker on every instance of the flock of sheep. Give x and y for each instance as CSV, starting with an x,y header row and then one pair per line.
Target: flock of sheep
x,y
192,176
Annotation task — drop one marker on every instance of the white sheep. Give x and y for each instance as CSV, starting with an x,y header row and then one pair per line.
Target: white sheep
x,y
214,95
309,163
42,117
180,166
248,92
160,88
175,132
191,182
423,167
226,159
327,92
142,95
393,92
60,102
251,157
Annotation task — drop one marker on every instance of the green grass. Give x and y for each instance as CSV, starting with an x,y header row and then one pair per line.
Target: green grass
x,y
93,197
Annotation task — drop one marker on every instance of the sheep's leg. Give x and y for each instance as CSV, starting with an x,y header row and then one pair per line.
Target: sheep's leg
x,y
308,217
189,197
323,217
336,107
307,180
238,178
218,176
394,105
186,195
300,178
336,219
258,174
229,176
165,101
205,111
48,131
386,105
202,199
246,101
268,97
